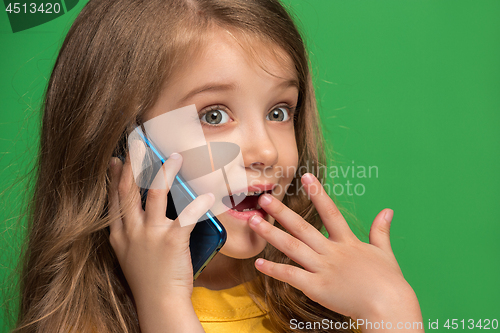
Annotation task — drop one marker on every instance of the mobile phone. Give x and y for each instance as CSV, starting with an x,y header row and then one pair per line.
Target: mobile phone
x,y
208,235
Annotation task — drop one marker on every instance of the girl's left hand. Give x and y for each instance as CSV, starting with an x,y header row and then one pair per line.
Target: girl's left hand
x,y
345,275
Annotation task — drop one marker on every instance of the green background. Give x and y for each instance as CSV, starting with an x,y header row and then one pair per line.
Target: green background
x,y
411,87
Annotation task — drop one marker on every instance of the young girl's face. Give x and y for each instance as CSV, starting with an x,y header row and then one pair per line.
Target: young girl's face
x,y
248,100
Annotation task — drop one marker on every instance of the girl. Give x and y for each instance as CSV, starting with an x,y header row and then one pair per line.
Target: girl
x,y
97,262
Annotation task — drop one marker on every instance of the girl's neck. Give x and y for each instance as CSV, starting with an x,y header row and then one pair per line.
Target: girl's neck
x,y
221,273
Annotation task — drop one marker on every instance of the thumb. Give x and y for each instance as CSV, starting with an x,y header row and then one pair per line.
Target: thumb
x,y
380,230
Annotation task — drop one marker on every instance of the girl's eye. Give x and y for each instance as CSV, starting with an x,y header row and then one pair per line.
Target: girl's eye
x,y
278,114
215,117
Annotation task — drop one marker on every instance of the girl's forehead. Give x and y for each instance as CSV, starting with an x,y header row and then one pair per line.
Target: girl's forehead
x,y
228,67
223,49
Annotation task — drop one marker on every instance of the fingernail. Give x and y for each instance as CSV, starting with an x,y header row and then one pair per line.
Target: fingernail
x,y
254,220
388,215
265,199
211,195
175,156
259,262
307,179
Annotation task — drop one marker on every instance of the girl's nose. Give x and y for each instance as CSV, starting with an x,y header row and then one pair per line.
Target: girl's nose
x,y
259,150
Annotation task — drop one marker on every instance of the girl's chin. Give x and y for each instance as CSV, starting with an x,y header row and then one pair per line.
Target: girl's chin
x,y
237,251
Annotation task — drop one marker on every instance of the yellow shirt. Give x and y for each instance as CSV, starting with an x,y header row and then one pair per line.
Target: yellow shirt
x,y
229,311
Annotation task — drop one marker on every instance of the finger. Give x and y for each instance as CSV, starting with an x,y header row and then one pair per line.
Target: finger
x,y
196,209
294,248
115,170
380,230
129,197
334,222
292,275
293,222
156,202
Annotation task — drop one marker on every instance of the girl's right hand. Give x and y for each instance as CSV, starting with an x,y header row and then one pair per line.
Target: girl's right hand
x,y
153,251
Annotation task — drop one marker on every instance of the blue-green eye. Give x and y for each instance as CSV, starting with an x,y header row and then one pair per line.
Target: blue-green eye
x,y
279,114
215,117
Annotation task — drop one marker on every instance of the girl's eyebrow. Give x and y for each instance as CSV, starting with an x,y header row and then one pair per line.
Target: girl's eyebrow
x,y
289,83
216,86
212,86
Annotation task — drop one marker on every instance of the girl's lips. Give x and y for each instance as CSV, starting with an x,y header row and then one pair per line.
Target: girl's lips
x,y
256,188
247,214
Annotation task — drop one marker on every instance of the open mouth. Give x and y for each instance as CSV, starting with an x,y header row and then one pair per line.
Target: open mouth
x,y
246,202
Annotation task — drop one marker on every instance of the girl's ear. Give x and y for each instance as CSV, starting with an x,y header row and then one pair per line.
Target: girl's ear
x,y
120,150
122,158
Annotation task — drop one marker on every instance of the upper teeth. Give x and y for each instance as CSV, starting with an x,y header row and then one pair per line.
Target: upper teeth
x,y
254,193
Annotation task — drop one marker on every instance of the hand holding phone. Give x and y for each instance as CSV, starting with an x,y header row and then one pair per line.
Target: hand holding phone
x,y
208,235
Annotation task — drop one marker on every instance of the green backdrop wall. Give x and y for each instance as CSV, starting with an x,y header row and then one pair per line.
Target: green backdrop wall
x,y
410,88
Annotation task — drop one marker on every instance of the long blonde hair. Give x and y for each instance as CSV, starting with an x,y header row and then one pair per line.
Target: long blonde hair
x,y
109,72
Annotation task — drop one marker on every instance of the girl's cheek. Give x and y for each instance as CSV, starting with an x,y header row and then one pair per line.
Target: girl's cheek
x,y
291,157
